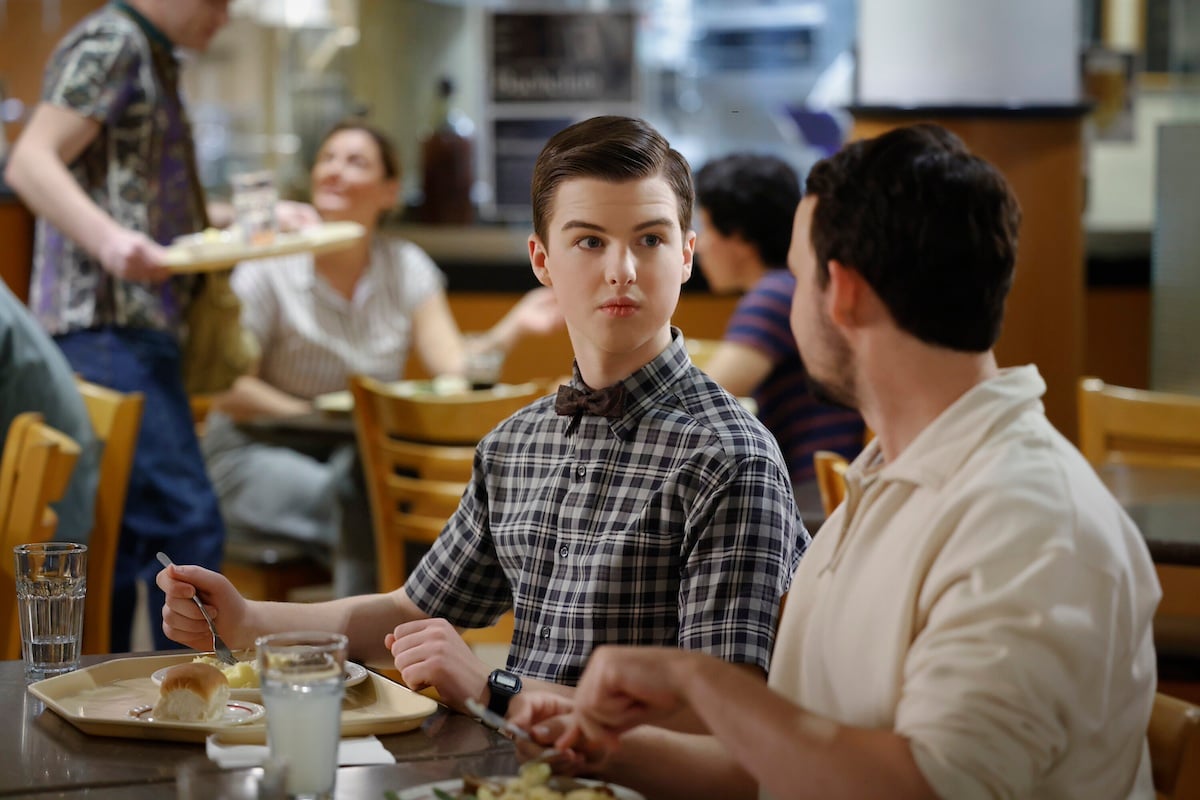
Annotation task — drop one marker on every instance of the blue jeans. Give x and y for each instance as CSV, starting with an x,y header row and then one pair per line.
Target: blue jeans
x,y
170,505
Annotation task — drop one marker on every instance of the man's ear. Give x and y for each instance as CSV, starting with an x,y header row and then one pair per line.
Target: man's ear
x,y
537,259
845,295
689,254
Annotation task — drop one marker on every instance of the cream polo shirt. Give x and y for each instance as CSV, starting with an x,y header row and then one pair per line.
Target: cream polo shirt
x,y
985,596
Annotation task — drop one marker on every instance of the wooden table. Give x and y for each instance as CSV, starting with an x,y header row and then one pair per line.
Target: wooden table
x,y
44,753
1165,504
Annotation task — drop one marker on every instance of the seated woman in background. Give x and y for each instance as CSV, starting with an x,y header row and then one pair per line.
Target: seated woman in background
x,y
318,320
747,204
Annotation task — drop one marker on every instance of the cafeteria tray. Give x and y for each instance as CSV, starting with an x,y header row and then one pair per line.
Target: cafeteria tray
x,y
97,700
205,256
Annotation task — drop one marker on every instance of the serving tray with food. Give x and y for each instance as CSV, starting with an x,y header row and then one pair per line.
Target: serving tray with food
x,y
214,249
122,698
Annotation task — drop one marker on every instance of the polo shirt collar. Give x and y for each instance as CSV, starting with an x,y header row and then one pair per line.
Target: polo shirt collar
x,y
940,450
153,33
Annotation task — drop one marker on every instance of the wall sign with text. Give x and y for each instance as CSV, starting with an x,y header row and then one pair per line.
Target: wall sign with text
x,y
562,58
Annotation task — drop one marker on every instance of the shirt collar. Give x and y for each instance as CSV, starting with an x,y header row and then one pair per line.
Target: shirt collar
x,y
153,33
940,450
646,386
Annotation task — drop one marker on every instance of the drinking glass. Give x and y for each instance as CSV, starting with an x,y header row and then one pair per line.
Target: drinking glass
x,y
302,687
254,199
482,364
51,584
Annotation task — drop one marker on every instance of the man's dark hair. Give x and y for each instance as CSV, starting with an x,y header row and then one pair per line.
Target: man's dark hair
x,y
754,197
930,227
615,149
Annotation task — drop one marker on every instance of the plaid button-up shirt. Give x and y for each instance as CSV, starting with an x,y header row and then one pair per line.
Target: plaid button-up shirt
x,y
673,524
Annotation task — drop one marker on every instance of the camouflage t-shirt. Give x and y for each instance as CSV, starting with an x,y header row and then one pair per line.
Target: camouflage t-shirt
x,y
140,169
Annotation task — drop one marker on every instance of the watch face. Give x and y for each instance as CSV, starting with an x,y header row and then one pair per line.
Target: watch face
x,y
506,680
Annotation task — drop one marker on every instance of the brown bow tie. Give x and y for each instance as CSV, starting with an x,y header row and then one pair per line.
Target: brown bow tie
x,y
606,402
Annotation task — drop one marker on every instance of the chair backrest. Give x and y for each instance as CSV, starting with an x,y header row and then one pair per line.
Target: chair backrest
x,y
462,418
831,481
413,487
36,474
116,419
14,440
1138,426
1174,740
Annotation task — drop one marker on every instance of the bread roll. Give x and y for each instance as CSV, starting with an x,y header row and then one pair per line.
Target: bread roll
x,y
192,692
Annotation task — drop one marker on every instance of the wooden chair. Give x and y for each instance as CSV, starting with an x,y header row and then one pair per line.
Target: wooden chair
x,y
1174,740
1138,426
116,419
1155,429
34,471
414,486
831,481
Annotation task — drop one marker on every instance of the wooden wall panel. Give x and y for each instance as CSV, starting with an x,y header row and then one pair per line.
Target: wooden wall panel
x,y
28,33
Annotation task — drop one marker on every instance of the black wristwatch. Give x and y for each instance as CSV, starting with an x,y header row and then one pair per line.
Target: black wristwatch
x,y
503,686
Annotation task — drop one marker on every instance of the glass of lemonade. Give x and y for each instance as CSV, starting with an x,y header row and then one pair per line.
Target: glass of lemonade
x,y
302,687
51,582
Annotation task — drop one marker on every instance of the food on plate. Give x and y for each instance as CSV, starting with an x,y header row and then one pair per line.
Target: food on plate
x,y
192,692
533,782
242,675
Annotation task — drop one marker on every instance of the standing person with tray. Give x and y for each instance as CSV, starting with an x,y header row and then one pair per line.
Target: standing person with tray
x,y
318,320
107,162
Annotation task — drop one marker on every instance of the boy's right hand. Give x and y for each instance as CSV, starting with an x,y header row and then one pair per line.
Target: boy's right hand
x,y
133,256
182,621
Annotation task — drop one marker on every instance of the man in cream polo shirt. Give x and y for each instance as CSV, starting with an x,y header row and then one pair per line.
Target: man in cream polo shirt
x,y
975,620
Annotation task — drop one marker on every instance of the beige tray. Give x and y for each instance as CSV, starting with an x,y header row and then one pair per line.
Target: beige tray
x,y
206,257
97,700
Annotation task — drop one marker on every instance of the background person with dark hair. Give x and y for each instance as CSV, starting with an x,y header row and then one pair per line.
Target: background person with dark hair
x,y
975,621
746,203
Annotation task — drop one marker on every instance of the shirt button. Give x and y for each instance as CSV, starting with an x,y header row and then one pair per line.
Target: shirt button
x,y
580,471
563,551
546,632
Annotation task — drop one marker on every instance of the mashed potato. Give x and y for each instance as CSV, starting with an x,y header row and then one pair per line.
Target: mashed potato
x,y
242,675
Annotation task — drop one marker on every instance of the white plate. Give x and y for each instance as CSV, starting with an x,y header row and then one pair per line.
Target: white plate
x,y
355,674
237,712
425,791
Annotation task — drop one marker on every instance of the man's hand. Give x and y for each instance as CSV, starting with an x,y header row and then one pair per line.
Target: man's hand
x,y
624,687
133,256
429,652
182,621
547,717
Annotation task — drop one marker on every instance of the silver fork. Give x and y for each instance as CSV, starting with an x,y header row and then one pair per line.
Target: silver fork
x,y
494,720
224,654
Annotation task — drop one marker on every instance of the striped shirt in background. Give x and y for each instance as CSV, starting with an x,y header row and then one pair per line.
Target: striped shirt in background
x,y
673,524
313,338
786,406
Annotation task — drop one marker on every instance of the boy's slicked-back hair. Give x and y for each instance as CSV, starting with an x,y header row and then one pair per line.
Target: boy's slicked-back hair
x,y
389,156
931,227
753,196
609,148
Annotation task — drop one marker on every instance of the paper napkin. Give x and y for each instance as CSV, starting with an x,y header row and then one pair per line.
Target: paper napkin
x,y
359,750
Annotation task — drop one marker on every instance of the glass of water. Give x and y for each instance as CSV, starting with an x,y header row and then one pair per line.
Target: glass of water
x,y
51,585
302,687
